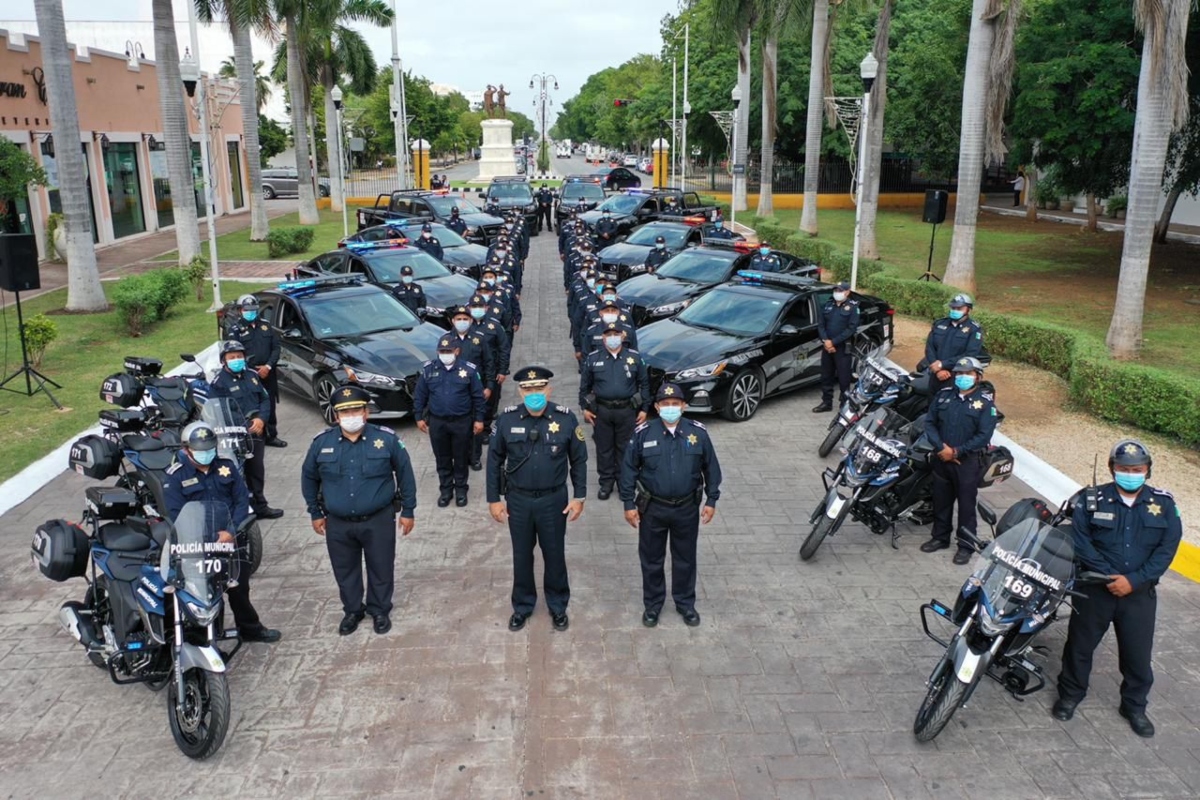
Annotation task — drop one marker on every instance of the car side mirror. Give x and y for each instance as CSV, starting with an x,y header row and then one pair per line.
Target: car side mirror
x,y
789,330
292,333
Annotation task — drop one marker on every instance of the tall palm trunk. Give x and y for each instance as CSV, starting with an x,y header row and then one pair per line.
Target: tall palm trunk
x,y
814,123
177,137
298,94
331,144
868,247
742,112
84,292
770,88
243,58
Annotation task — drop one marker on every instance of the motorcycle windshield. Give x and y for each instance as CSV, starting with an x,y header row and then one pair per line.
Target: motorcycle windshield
x,y
874,375
233,440
1024,567
201,557
877,437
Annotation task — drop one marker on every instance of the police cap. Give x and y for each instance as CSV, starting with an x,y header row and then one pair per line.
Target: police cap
x,y
446,345
668,391
458,311
533,377
844,286
454,211
660,240
478,300
609,304
350,396
426,228
1129,453
406,270
232,346
248,301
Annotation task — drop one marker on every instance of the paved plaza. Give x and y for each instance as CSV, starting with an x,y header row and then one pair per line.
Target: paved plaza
x,y
801,682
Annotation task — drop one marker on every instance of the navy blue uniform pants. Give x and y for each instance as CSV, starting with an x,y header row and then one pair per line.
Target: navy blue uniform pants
x,y
539,521
1132,616
837,364
489,415
680,527
451,439
245,617
955,483
271,384
256,473
544,213
349,544
612,432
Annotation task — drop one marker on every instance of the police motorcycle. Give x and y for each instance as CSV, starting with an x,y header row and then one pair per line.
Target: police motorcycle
x,y
152,609
169,401
1016,587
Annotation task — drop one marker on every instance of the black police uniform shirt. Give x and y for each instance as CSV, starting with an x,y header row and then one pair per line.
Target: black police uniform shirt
x,y
502,312
838,321
592,337
606,229
657,257
670,465
537,451
262,344
545,197
453,391
357,479
457,225
965,422
505,295
411,295
223,483
246,391
949,340
497,341
614,376
720,233
768,263
473,347
430,245
675,210
1138,542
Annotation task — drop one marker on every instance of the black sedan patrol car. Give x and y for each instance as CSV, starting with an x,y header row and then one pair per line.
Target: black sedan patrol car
x,y
580,193
623,260
747,340
457,253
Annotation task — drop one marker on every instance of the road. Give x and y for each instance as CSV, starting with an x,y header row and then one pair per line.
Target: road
x,y
802,681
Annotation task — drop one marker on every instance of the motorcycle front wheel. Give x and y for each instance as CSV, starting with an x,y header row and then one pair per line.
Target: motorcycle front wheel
x,y
944,697
200,723
836,432
822,526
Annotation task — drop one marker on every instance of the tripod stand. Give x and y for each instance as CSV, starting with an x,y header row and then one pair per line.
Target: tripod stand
x,y
30,374
929,276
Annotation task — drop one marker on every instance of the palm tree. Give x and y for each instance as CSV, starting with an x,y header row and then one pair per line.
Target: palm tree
x,y
294,13
1162,108
775,15
262,83
739,16
873,130
177,137
814,124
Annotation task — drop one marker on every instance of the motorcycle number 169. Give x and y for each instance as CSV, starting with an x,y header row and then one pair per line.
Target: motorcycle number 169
x,y
1015,585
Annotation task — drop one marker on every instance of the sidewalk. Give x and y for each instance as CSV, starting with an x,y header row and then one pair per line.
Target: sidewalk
x,y
1002,204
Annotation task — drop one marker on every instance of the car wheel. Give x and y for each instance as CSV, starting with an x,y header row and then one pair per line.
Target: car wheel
x,y
268,193
745,395
324,389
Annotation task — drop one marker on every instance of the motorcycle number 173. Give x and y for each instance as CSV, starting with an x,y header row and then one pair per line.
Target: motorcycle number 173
x,y
1015,585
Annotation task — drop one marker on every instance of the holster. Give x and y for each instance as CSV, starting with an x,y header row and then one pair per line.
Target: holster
x,y
503,482
641,501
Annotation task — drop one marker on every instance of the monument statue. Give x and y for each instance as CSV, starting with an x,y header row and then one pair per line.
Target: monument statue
x,y
501,94
489,101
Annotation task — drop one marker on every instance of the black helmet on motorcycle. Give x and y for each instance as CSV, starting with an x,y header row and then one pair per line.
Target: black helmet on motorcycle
x,y
968,364
231,346
248,301
198,436
1130,453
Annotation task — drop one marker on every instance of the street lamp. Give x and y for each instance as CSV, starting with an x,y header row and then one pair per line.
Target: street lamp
x,y
189,73
399,111
736,96
543,97
868,70
336,97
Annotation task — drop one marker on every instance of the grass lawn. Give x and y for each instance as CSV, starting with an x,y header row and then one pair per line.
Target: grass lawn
x,y
236,245
89,348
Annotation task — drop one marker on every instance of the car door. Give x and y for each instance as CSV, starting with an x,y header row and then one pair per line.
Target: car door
x,y
296,351
797,266
806,344
290,182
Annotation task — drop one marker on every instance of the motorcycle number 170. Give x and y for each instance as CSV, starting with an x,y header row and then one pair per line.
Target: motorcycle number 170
x,y
1015,585
211,566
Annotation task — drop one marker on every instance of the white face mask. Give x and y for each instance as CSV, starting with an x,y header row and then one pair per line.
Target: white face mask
x,y
352,424
609,319
446,358
406,279
839,297
462,325
612,342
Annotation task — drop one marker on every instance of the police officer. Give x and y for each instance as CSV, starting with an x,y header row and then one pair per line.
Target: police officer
x,y
354,479
719,231
836,327
669,463
672,207
409,292
501,298
953,337
532,446
448,405
606,229
960,424
250,398
658,255
1130,533
429,243
764,260
545,201
262,355
495,338
610,313
493,207
494,304
579,256
587,307
473,347
456,223
198,475
614,393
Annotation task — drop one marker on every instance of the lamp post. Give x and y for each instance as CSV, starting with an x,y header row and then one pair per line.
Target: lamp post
x,y
674,119
687,109
867,70
189,73
543,96
399,112
336,97
736,96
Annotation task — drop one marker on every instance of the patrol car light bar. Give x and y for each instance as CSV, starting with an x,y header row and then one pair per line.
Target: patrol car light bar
x,y
772,279
381,244
312,283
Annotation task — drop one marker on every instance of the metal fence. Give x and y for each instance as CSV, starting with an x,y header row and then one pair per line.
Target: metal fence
x,y
899,174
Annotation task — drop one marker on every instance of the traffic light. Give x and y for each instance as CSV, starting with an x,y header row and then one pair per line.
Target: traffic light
x,y
620,103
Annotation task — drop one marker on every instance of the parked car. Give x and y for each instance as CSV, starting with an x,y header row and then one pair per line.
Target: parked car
x,y
630,160
457,253
510,192
637,206
617,177
577,192
408,203
646,165
285,182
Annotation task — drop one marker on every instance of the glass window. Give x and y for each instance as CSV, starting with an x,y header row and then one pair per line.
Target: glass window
x,y
443,203
731,311
335,316
160,174
50,164
387,265
699,266
124,189
235,174
676,235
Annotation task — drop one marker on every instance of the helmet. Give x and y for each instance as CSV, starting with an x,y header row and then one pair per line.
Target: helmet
x,y
199,436
660,240
961,300
967,364
248,301
231,346
1129,453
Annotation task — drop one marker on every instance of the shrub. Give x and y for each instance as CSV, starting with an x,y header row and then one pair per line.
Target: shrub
x,y
196,273
52,224
288,241
147,298
40,331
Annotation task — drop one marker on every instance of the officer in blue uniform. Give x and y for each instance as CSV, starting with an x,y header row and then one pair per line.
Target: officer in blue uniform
x,y
250,397
670,466
658,255
532,448
611,312
198,475
355,478
606,229
960,424
448,405
545,201
472,346
263,349
409,292
429,243
672,208
456,223
719,232
836,327
952,337
501,298
764,260
614,393
1130,534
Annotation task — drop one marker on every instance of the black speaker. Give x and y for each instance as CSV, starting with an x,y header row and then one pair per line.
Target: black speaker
x,y
935,205
18,263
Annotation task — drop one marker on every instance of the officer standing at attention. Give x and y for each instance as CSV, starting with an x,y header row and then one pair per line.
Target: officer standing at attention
x,y
960,424
199,475
532,447
953,337
473,347
429,243
455,223
672,207
836,326
355,478
250,399
496,341
606,230
658,255
610,312
614,393
448,405
545,201
262,355
670,464
1131,535
409,292
764,260
719,231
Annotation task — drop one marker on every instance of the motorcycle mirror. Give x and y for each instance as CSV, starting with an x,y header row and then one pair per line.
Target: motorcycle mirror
x,y
971,539
1093,578
987,512
188,357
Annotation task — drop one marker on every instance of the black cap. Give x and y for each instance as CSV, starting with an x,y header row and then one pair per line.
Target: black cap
x,y
406,270
609,303
669,391
843,286
477,300
350,396
533,376
446,345
456,311
659,240
199,436
454,211
615,327
426,228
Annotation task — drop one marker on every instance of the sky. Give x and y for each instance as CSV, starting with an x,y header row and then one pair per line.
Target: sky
x,y
467,43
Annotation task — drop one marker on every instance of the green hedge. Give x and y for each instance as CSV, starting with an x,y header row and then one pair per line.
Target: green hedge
x,y
287,241
147,298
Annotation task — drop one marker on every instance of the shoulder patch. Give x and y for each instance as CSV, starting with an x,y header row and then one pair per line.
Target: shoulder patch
x,y
1162,492
988,396
563,409
508,409
386,429
469,364
178,465
697,424
641,427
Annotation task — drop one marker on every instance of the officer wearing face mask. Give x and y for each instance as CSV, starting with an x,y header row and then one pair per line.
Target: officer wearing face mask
x,y
764,260
429,243
720,232
472,345
576,259
611,312
533,446
658,255
495,304
263,349
583,287
491,330
456,224
496,289
356,477
837,325
614,392
587,307
960,424
606,229
409,292
448,405
545,201
1129,531
670,466
953,337
672,208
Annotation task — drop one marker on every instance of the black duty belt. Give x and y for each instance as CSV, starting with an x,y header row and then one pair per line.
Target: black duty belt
x,y
360,517
694,497
535,492
449,419
627,403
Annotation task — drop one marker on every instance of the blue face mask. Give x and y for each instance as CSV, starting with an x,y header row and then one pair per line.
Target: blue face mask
x,y
670,414
249,316
964,382
236,364
1129,481
764,251
535,402
957,313
203,457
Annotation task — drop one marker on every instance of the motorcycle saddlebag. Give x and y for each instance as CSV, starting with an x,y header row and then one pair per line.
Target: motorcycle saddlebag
x,y
60,550
95,457
110,502
124,420
1022,510
142,366
121,389
997,466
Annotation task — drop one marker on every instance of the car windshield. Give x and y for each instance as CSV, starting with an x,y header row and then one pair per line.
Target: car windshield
x,y
574,192
698,266
734,312
621,204
443,203
510,191
646,235
447,237
335,315
387,265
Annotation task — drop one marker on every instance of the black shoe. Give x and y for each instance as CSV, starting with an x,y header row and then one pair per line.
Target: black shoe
x,y
821,409
649,618
517,621
1139,722
604,493
383,623
276,442
559,620
1064,710
933,545
690,617
266,512
477,465
263,634
963,557
444,500
461,500
350,623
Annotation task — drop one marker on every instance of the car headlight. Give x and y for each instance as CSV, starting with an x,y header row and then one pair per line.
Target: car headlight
x,y
364,377
707,371
671,308
434,311
203,614
989,625
471,232
532,207
636,268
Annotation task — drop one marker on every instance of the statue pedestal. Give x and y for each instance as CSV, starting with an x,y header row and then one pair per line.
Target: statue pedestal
x,y
496,153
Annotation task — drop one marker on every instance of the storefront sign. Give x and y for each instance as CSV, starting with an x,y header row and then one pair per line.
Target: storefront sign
x,y
12,89
19,91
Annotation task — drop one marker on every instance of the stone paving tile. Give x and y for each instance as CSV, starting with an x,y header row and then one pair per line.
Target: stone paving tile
x,y
802,681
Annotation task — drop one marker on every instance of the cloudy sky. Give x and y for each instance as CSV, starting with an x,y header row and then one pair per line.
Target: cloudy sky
x,y
465,43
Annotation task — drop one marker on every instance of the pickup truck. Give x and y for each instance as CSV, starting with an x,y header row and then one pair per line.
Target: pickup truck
x,y
406,203
634,207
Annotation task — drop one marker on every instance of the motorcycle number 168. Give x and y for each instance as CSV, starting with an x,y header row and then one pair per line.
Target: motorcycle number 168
x,y
1015,585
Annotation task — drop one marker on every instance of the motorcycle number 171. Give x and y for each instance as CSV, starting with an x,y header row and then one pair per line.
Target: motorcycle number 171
x,y
1015,585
